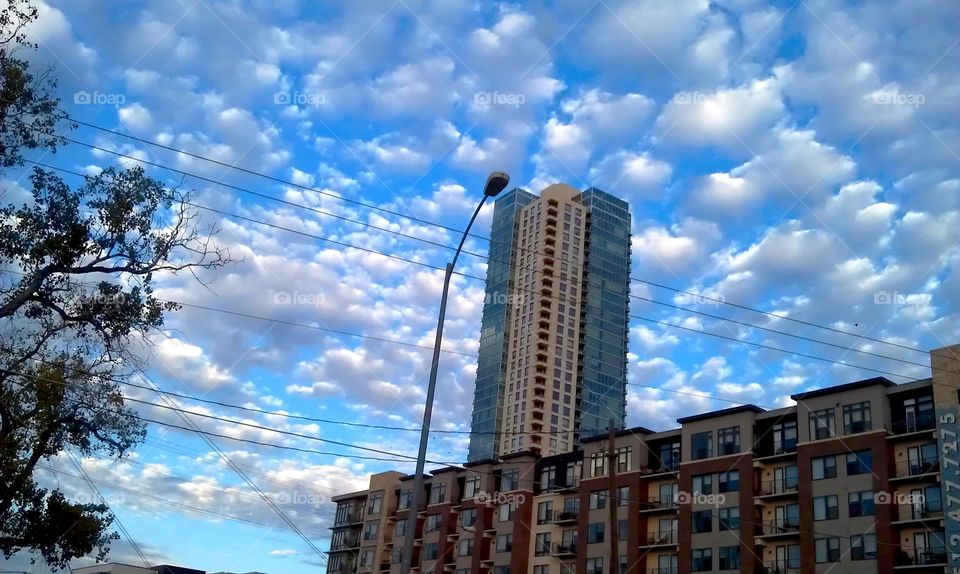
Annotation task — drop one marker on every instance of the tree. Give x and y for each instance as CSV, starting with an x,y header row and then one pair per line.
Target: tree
x,y
29,112
76,293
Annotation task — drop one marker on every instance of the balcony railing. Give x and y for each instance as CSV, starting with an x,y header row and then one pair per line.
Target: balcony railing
x,y
561,550
656,468
566,516
777,527
922,557
926,465
781,567
346,543
659,503
778,486
925,421
662,537
929,509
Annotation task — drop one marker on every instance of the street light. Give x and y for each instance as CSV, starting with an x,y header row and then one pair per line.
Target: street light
x,y
496,183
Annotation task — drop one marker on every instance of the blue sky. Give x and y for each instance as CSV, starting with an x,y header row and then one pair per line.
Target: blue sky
x,y
799,158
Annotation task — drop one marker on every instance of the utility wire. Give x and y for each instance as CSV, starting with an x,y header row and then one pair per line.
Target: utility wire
x,y
103,501
458,231
822,359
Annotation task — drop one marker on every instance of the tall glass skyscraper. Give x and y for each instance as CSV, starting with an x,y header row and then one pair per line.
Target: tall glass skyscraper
x,y
553,341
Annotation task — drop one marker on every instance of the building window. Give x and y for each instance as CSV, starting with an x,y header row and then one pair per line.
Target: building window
x,y
545,512
623,495
469,517
430,551
541,569
594,566
702,521
598,499
623,456
702,560
366,557
542,544
397,555
856,418
859,462
598,465
433,522
471,486
827,550
373,507
465,548
595,532
826,507
403,501
729,481
438,492
785,437
506,511
548,477
861,503
728,440
370,530
669,457
703,484
501,570
504,542
729,518
510,479
863,547
729,557
400,528
701,445
824,467
821,424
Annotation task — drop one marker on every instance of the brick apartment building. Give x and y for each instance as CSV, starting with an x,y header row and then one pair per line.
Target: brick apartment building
x,y
851,479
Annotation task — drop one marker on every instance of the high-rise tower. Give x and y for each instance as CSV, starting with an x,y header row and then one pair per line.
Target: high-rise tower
x,y
553,341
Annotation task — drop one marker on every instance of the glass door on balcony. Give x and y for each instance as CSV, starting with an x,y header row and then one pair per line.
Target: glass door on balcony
x,y
787,517
668,530
921,458
668,564
785,479
788,558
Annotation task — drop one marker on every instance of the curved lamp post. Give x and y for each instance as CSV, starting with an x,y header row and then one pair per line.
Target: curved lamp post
x,y
496,182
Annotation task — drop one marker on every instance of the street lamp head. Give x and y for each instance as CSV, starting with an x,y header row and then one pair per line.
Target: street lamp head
x,y
496,183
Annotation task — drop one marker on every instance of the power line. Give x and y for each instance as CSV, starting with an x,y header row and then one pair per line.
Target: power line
x,y
412,218
759,345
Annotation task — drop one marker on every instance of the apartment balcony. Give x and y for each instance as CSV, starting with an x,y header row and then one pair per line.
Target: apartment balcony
x,y
780,567
661,538
654,505
931,511
912,470
566,517
663,571
775,489
776,529
660,470
551,222
565,550
345,545
550,241
912,558
912,425
350,519
762,457
552,211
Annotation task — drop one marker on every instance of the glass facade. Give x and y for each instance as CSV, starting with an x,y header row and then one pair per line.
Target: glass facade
x,y
586,352
497,306
604,313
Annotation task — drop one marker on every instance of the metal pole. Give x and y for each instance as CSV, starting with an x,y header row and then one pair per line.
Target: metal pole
x,y
410,533
613,500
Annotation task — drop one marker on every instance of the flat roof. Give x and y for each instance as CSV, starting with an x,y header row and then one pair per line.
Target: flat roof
x,y
619,433
844,388
349,495
721,413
